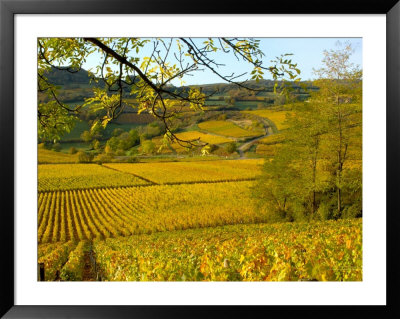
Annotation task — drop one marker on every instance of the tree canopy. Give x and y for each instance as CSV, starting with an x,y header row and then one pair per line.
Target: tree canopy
x,y
317,171
144,70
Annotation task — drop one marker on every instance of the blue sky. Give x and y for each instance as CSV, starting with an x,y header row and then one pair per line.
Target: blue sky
x,y
307,53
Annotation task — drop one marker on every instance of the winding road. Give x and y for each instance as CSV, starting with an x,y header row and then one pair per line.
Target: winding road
x,y
248,144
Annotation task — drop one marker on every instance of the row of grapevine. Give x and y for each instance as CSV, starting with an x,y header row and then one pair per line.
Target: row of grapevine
x,y
74,267
323,251
103,213
48,156
55,259
82,176
187,172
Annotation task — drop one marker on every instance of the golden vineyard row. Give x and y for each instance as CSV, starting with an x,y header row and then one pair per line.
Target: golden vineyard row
x,y
323,251
76,176
82,176
186,172
102,213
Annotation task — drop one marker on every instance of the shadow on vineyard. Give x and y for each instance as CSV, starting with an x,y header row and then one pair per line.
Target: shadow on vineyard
x,y
90,272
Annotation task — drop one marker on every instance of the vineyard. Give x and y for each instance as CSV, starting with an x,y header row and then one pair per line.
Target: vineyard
x,y
204,226
103,213
178,221
267,150
277,117
203,137
146,176
53,177
188,172
51,157
195,136
323,251
269,145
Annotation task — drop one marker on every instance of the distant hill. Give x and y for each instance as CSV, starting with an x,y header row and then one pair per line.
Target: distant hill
x,y
265,85
77,86
63,77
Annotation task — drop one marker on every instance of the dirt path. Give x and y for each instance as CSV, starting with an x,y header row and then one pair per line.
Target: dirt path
x,y
89,273
248,144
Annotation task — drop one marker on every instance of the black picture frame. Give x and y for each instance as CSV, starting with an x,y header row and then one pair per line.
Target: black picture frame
x,y
9,8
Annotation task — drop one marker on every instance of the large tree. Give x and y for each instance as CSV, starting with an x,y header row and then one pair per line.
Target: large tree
x,y
317,171
144,69
340,83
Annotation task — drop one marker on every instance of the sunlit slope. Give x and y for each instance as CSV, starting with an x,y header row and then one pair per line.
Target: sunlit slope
x,y
227,128
330,250
53,177
187,172
102,213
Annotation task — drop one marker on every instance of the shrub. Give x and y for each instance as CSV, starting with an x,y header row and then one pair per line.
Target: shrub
x,y
231,147
72,150
134,136
130,159
86,136
104,158
324,211
117,132
57,147
96,144
108,150
131,152
84,157
213,147
222,117
148,147
352,211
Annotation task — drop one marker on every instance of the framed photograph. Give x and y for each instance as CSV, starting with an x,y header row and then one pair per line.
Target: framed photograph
x,y
164,160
